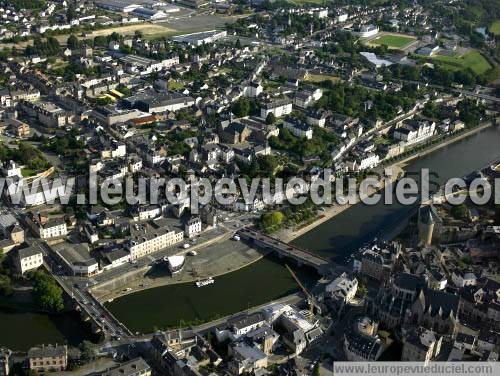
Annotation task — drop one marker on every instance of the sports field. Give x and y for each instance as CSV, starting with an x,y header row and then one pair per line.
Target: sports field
x,y
471,59
494,28
392,41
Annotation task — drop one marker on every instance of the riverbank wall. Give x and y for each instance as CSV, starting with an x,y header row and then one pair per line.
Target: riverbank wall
x,y
288,235
449,141
213,260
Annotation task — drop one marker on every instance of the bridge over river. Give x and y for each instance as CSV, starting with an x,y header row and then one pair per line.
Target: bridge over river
x,y
301,256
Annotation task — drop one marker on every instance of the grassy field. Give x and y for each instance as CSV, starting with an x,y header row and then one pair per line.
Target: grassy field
x,y
494,28
168,28
149,30
322,77
146,29
392,41
317,2
175,85
472,59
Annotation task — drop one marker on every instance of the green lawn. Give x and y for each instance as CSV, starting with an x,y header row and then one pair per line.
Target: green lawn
x,y
472,59
175,85
317,2
322,77
494,28
393,41
27,172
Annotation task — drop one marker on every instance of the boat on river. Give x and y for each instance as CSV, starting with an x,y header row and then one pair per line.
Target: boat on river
x,y
205,282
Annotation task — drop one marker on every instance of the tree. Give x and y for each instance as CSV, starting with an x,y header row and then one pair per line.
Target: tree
x,y
316,369
459,211
103,101
270,119
71,12
238,43
87,351
242,108
47,293
72,42
6,286
272,220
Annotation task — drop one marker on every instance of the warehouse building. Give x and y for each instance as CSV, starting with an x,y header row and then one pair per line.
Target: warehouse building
x,y
122,6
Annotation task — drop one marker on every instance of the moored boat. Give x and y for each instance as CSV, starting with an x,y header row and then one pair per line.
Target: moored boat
x,y
205,282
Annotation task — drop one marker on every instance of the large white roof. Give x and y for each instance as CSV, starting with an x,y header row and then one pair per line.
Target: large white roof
x,y
175,261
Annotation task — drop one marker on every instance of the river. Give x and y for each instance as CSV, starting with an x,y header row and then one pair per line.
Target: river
x,y
181,304
265,280
20,330
346,232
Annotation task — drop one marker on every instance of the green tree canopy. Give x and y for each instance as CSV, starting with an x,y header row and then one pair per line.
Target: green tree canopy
x,y
242,108
47,293
272,220
72,42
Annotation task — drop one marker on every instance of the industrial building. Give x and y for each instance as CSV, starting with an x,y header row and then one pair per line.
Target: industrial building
x,y
198,39
193,3
153,102
123,6
149,14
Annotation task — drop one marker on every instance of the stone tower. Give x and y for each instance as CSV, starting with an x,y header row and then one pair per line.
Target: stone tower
x,y
425,226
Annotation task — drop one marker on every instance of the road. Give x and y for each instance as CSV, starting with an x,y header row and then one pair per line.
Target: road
x,y
77,289
202,240
467,93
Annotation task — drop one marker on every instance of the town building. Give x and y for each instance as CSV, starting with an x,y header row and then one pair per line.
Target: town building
x,y
192,227
300,330
48,358
134,367
149,14
15,127
366,31
246,358
47,113
253,89
277,107
122,6
342,287
45,226
317,118
298,128
76,259
28,259
203,37
361,341
143,66
150,237
153,102
421,345
414,131
306,98
408,302
5,359
196,4
378,261
462,278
